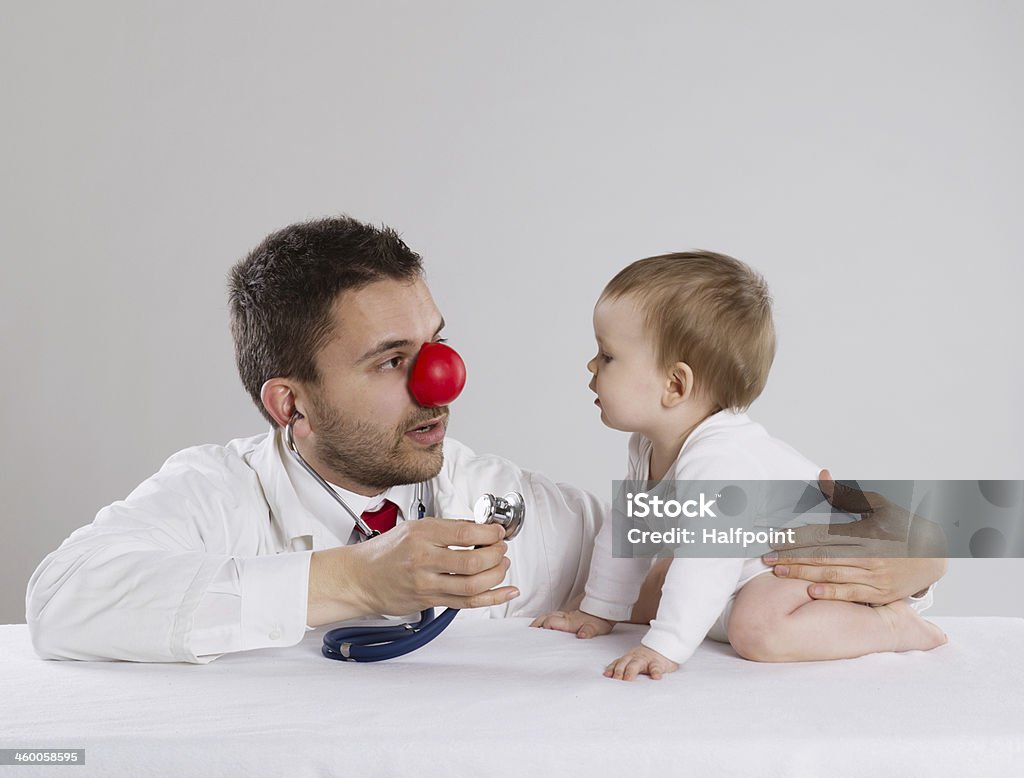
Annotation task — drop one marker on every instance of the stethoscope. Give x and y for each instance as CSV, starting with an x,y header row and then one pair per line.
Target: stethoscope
x,y
437,378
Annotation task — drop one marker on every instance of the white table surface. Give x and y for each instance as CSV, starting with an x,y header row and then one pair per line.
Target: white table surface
x,y
498,698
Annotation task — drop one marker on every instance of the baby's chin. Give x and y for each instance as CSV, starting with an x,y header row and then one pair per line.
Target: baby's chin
x,y
610,423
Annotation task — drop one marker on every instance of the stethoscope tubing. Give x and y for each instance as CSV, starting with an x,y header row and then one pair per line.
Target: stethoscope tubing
x,y
375,644
289,441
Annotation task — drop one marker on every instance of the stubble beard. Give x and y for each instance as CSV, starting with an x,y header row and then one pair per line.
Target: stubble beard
x,y
371,456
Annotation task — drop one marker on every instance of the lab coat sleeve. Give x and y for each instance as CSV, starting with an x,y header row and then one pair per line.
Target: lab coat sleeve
x,y
563,531
130,585
251,603
550,558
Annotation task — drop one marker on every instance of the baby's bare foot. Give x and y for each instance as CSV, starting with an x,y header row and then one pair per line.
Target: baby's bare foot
x,y
910,632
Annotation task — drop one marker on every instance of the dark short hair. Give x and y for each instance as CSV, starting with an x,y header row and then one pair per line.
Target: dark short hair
x,y
281,295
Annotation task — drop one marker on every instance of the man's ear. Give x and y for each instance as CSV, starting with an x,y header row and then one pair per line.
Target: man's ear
x,y
278,396
679,386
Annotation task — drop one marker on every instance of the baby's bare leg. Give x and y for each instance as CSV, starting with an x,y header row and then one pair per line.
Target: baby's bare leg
x,y
774,620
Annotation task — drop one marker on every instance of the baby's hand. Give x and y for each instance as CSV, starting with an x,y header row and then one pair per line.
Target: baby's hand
x,y
583,624
640,661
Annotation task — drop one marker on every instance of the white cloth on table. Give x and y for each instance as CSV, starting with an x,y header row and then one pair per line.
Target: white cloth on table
x,y
493,697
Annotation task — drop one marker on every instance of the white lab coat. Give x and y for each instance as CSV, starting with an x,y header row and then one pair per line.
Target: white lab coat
x,y
130,585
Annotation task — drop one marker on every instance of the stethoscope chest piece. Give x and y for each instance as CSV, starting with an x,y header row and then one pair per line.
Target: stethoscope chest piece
x,y
374,643
508,511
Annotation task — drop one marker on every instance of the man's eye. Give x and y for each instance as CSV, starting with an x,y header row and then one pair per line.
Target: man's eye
x,y
391,364
441,340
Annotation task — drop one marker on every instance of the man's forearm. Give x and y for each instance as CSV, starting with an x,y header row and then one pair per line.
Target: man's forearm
x,y
334,593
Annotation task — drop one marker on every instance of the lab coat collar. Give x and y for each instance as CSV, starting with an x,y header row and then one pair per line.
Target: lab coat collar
x,y
300,506
402,495
292,514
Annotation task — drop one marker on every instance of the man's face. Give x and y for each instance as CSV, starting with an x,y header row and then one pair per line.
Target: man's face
x,y
367,430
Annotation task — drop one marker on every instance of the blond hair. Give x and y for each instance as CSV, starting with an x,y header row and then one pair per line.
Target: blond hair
x,y
710,311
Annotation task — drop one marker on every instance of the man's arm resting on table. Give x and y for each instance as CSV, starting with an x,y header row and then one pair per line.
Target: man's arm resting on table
x,y
124,595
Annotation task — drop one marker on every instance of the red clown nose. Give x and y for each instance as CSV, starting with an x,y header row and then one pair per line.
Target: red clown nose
x,y
437,376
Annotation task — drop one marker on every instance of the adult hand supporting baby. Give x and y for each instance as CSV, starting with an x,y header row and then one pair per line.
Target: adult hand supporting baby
x,y
885,556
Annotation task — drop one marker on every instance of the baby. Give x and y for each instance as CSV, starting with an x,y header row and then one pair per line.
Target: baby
x,y
685,342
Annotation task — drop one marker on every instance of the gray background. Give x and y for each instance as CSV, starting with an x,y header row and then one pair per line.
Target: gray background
x,y
865,157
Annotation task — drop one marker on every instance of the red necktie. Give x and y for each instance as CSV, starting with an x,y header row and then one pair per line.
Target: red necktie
x,y
382,519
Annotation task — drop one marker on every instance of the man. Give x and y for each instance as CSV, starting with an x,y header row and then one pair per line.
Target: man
x,y
237,547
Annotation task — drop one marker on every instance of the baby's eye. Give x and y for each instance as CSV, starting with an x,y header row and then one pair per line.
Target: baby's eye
x,y
606,358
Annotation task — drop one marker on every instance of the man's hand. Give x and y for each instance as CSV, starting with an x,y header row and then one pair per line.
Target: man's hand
x,y
583,624
409,568
640,661
887,555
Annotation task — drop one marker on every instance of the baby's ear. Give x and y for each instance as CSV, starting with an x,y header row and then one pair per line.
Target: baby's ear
x,y
679,387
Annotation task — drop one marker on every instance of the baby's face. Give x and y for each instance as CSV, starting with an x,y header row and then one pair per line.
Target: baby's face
x,y
626,376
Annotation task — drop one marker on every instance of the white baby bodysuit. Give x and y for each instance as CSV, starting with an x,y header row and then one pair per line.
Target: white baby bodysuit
x,y
727,446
